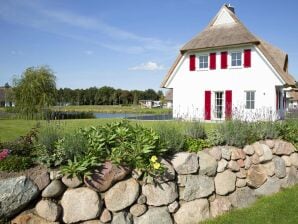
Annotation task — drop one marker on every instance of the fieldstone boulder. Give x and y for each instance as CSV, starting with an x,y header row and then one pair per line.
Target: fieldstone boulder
x,y
215,152
138,210
222,164
233,165
154,215
192,212
169,173
247,163
280,167
256,176
267,154
105,216
241,163
173,207
54,189
41,180
122,218
242,197
208,164
142,199
48,210
30,218
237,154
241,174
80,204
249,150
219,206
240,183
255,159
160,194
283,148
270,143
102,178
269,168
55,175
185,163
294,159
198,186
258,147
15,195
225,182
226,153
287,160
291,178
72,182
92,222
122,195
271,186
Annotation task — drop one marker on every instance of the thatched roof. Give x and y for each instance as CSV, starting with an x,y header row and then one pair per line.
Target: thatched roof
x,y
234,34
293,95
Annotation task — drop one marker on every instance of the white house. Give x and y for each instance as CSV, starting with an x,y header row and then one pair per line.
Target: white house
x,y
226,71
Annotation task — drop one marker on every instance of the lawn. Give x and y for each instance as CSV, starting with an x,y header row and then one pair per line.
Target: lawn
x,y
281,208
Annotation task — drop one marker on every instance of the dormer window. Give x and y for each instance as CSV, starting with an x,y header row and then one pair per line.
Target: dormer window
x,y
236,59
203,62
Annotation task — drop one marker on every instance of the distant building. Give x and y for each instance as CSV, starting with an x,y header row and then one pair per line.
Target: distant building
x,y
292,101
5,100
169,99
149,103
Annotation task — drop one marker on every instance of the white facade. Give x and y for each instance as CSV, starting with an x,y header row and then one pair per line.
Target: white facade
x,y
189,86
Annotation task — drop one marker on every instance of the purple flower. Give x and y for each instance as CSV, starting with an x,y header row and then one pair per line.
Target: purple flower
x,y
4,153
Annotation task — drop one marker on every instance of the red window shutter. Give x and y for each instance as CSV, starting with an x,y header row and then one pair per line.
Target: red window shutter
x,y
228,104
224,60
207,105
247,58
212,61
192,62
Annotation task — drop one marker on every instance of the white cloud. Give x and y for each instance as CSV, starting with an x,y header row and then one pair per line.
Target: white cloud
x,y
148,66
88,52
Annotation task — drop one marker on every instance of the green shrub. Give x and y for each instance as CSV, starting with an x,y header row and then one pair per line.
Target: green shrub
x,y
195,130
266,130
215,137
171,135
288,130
196,145
14,163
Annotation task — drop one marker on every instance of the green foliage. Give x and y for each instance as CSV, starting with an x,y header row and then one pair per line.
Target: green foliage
x,y
14,163
195,130
34,91
195,144
215,137
289,131
171,135
266,130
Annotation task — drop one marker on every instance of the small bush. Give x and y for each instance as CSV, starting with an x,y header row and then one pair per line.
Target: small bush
x,y
15,163
266,130
288,130
215,137
195,130
196,145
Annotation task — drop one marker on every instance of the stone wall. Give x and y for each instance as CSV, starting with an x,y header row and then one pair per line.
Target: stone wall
x,y
195,187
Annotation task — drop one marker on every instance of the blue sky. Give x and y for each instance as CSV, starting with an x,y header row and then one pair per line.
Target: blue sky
x,y
125,44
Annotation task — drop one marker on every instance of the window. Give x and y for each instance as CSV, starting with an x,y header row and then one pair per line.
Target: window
x,y
236,59
250,100
203,62
218,104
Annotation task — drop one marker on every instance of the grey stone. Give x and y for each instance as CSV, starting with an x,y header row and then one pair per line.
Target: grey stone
x,y
242,197
269,168
215,152
241,163
48,210
225,182
280,167
240,183
249,150
256,176
160,194
208,164
233,165
92,222
283,148
241,174
270,143
258,147
291,179
122,195
222,164
42,180
169,173
294,159
198,186
55,175
154,215
185,163
173,207
237,154
247,163
287,160
80,204
122,218
71,182
138,210
255,159
142,199
182,180
271,186
219,206
192,212
267,154
105,216
55,189
226,153
15,195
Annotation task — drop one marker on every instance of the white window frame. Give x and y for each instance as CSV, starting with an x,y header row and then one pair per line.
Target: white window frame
x,y
205,62
249,101
237,59
214,115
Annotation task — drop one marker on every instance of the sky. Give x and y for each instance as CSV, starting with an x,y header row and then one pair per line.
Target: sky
x,y
124,44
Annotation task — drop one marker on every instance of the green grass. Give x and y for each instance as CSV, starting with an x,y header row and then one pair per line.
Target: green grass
x,y
281,208
112,109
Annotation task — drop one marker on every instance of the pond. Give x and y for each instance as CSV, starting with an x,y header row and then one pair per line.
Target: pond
x,y
134,116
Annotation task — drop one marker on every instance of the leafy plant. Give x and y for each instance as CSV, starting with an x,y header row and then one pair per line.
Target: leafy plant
x,y
196,145
14,163
288,130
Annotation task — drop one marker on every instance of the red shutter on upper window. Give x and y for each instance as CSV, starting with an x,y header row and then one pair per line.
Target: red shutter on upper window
x,y
207,105
224,60
212,61
192,62
228,104
247,58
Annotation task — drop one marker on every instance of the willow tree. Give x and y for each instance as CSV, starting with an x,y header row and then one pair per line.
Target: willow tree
x,y
35,90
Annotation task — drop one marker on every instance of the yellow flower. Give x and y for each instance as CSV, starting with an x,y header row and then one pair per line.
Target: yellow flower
x,y
153,159
156,166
